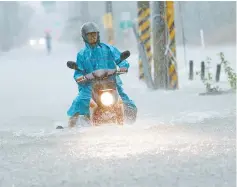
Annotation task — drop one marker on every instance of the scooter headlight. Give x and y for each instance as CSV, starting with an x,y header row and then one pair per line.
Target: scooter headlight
x,y
107,98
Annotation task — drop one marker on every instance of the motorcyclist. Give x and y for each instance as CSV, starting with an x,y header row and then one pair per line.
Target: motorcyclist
x,y
96,55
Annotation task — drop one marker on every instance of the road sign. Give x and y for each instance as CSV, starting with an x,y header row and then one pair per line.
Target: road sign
x,y
49,6
125,21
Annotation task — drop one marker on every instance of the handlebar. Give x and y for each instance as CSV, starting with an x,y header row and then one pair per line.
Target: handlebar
x,y
88,77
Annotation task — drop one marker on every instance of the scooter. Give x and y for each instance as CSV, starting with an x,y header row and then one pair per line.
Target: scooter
x,y
106,106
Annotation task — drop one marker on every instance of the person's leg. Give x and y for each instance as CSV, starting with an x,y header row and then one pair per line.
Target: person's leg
x,y
80,106
48,49
73,120
130,109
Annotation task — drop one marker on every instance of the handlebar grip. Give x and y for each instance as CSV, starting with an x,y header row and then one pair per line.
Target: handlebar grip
x,y
122,71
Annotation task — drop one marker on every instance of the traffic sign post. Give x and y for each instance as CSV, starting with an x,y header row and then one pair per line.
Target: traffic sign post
x,y
49,6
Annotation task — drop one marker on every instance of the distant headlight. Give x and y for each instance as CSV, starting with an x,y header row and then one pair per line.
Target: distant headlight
x,y
41,41
32,42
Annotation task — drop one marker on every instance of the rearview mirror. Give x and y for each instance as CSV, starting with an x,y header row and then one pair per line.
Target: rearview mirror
x,y
124,55
72,65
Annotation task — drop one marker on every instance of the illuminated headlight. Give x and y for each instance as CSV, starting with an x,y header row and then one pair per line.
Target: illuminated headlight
x,y
107,98
32,42
41,41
